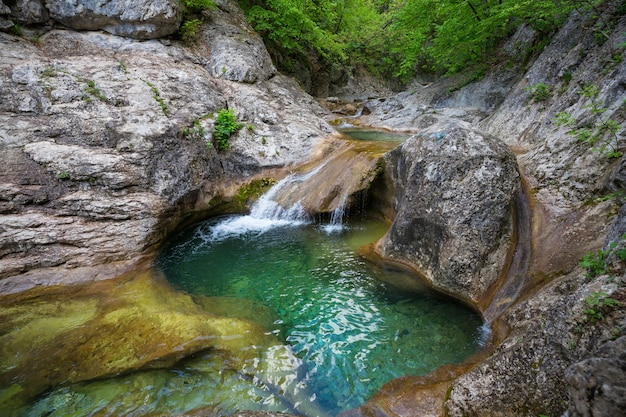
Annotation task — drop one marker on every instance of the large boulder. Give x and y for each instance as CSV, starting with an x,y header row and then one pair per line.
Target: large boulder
x,y
455,203
137,19
237,51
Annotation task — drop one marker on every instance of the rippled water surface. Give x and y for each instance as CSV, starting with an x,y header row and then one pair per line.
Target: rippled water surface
x,y
352,331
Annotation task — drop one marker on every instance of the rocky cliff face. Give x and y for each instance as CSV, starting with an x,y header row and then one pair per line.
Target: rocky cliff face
x,y
107,140
560,332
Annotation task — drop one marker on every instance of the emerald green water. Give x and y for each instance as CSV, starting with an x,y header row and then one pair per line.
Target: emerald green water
x,y
352,331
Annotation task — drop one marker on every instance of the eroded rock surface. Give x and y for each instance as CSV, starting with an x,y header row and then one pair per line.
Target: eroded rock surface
x,y
563,348
455,197
104,153
139,19
136,324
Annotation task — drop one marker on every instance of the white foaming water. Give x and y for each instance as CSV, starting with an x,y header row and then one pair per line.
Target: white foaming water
x,y
266,214
336,218
485,334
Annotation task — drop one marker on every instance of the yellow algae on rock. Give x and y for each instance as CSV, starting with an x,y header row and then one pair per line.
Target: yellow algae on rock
x,y
52,336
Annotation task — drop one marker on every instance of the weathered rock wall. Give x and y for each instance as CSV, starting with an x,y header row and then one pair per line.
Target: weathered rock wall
x,y
101,152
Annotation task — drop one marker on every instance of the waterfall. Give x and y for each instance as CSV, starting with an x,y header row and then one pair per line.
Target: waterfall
x,y
325,189
267,213
336,217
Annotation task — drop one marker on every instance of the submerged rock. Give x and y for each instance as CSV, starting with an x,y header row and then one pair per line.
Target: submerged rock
x,y
135,323
455,193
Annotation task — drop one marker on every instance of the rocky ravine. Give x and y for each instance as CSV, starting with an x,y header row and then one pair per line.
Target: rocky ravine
x,y
102,158
554,358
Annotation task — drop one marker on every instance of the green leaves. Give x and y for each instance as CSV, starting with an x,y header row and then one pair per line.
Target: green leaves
x,y
453,34
225,125
602,132
539,92
597,303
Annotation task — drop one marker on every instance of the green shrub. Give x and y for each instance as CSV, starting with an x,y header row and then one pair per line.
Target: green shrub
x,y
192,18
597,304
539,92
197,6
189,30
594,264
93,89
225,125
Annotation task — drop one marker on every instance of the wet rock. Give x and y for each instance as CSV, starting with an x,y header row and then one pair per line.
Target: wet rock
x,y
454,202
139,19
135,322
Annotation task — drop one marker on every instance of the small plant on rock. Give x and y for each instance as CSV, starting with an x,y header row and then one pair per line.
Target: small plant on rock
x,y
195,131
156,94
539,92
93,90
602,133
594,264
225,125
597,304
192,18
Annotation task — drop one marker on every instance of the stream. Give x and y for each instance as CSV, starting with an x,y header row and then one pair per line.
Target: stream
x,y
298,320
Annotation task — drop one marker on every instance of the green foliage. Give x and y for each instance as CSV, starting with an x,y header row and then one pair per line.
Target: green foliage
x,y
92,89
594,264
193,17
195,131
189,30
449,35
156,94
123,67
539,92
401,37
197,6
224,127
597,304
601,133
17,29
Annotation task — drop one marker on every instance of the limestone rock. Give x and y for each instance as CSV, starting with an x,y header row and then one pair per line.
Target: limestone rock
x,y
526,374
138,19
28,11
101,155
454,199
237,51
4,9
558,352
597,385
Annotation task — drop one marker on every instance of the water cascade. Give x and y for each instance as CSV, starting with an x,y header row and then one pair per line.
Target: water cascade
x,y
266,311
